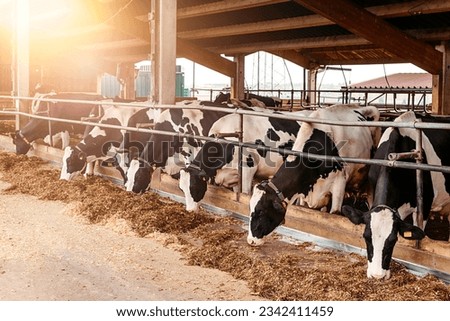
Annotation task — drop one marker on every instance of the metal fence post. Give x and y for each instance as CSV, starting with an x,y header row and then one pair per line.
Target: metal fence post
x,y
419,181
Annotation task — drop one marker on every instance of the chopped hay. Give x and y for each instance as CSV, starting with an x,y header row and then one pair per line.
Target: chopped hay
x,y
276,271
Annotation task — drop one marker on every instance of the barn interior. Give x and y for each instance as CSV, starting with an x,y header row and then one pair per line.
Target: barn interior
x,y
70,43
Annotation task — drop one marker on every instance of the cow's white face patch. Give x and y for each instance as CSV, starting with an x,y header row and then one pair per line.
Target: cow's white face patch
x,y
184,184
381,225
97,131
67,153
131,175
73,164
254,200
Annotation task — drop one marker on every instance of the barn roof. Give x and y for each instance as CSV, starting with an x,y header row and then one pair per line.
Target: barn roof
x,y
307,32
399,80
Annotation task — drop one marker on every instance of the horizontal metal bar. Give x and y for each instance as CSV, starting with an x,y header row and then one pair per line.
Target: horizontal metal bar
x,y
224,135
145,125
406,155
421,125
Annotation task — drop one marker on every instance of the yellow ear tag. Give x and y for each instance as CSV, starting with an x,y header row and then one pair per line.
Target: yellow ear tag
x,y
407,234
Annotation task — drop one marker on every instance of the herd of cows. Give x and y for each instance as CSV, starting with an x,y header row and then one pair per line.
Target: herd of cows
x,y
283,177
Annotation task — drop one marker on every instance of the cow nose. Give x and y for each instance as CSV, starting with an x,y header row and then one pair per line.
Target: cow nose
x,y
253,241
192,208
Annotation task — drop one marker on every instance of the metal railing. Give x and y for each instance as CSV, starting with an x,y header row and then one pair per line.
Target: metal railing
x,y
395,161
393,99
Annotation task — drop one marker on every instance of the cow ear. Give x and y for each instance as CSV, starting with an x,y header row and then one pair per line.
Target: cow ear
x,y
410,232
354,215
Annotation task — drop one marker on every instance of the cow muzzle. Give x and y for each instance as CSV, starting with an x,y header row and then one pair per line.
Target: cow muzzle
x,y
254,241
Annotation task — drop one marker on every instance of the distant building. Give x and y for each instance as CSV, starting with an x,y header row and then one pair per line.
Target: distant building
x,y
398,91
397,81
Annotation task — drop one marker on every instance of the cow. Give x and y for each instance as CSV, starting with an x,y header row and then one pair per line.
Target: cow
x,y
317,182
395,191
250,100
218,162
39,128
104,143
167,151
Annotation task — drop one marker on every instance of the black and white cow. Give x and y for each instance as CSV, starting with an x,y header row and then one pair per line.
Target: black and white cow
x,y
39,128
250,100
395,192
317,182
104,143
171,152
218,162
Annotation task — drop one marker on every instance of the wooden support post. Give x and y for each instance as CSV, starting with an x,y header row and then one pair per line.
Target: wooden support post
x,y
441,84
312,86
21,57
237,83
163,30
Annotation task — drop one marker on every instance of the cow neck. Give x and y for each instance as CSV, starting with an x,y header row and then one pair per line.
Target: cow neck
x,y
78,148
283,187
35,129
24,138
200,167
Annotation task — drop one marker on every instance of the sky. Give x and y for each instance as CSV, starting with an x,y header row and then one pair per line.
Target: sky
x,y
285,73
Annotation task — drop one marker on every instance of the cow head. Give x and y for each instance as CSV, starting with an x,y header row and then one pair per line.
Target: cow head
x,y
138,176
23,145
74,162
267,212
193,181
382,227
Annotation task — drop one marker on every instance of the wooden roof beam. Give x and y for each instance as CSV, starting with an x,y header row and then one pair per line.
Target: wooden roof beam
x,y
294,57
322,43
206,58
223,6
363,23
295,44
386,11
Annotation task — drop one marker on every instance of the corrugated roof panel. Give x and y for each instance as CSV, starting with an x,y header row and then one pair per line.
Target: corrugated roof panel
x,y
400,80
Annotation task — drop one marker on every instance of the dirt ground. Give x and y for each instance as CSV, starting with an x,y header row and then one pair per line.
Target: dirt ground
x,y
50,253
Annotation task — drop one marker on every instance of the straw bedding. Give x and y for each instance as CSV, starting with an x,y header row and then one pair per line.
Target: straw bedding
x,y
276,271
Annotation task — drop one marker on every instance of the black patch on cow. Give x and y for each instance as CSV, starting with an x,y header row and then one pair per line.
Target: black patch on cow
x,y
288,145
99,145
289,126
250,161
261,151
397,186
361,117
208,119
300,175
440,139
176,115
222,98
272,135
213,156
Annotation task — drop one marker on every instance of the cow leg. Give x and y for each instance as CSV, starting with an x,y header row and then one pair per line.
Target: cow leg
x,y
337,193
